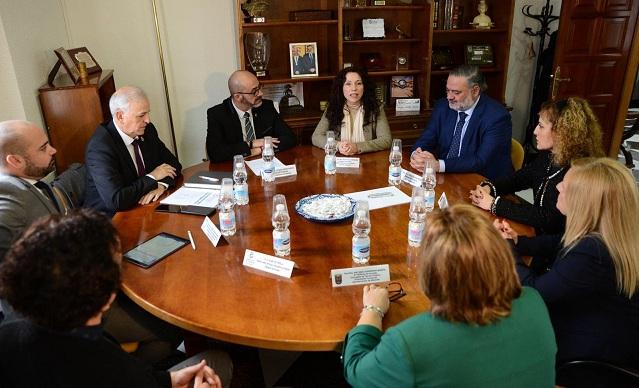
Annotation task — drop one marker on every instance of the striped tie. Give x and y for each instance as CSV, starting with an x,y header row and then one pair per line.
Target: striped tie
x,y
250,133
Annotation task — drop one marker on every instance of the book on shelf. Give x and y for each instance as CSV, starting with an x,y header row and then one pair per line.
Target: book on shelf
x,y
436,14
448,14
458,13
208,179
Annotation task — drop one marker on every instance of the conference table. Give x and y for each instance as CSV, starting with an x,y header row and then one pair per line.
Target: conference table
x,y
208,290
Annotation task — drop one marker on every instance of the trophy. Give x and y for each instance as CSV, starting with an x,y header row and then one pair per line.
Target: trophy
x,y
258,51
255,9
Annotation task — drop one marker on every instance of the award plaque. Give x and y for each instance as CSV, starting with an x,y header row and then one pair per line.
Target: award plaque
x,y
442,58
479,54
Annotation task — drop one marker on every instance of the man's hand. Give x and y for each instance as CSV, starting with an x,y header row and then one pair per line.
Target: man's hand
x,y
153,195
200,374
347,148
419,157
259,143
481,197
162,171
505,230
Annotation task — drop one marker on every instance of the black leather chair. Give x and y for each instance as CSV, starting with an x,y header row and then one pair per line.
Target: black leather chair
x,y
627,134
585,373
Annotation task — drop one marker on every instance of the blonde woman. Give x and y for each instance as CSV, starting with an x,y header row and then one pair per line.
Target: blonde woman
x,y
567,130
483,328
591,290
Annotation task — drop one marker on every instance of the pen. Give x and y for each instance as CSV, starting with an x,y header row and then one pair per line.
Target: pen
x,y
191,238
206,178
380,195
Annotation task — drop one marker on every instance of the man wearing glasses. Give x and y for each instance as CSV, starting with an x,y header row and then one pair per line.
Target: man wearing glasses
x,y
239,124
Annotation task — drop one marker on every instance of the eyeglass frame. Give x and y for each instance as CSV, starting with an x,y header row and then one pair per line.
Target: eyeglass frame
x,y
394,295
255,91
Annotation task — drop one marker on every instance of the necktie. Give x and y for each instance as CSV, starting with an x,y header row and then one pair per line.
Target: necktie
x,y
48,192
139,163
453,152
250,133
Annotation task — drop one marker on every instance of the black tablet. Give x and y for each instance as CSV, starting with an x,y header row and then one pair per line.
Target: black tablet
x,y
185,209
155,249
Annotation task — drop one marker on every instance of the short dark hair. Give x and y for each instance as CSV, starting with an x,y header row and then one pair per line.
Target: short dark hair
x,y
63,269
472,75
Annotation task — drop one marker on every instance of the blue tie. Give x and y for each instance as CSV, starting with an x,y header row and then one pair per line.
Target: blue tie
x,y
453,152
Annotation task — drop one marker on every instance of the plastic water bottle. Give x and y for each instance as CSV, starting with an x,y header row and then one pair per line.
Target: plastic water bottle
x,y
429,181
240,188
226,208
417,215
331,149
395,159
361,229
268,171
281,221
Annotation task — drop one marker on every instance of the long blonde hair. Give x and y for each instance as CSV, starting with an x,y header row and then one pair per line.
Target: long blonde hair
x,y
602,198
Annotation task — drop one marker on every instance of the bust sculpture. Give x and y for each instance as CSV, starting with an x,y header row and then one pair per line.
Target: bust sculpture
x,y
482,21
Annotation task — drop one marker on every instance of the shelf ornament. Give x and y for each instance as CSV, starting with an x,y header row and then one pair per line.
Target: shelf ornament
x,y
256,9
482,21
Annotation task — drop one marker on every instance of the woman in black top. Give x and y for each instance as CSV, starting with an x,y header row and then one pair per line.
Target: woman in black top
x,y
567,130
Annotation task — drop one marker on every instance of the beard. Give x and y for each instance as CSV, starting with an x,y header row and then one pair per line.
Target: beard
x,y
256,102
462,105
31,170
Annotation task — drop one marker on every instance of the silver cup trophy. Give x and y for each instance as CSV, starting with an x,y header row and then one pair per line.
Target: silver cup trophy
x,y
258,51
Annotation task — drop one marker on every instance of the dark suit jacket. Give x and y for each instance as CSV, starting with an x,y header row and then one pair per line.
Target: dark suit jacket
x,y
485,148
224,137
112,179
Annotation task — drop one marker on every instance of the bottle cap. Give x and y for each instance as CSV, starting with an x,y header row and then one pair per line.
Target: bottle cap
x,y
331,139
239,165
395,148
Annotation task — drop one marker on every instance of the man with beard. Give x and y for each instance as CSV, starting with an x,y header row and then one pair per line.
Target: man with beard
x,y
468,131
127,163
239,124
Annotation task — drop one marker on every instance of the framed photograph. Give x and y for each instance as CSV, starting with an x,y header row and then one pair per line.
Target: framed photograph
x,y
68,63
81,54
401,86
479,54
443,58
303,58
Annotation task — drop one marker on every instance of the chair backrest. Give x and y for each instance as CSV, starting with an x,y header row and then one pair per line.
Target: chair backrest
x,y
516,154
596,373
71,184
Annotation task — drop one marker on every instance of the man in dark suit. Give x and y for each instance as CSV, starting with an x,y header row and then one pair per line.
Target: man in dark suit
x,y
127,163
239,124
468,131
309,57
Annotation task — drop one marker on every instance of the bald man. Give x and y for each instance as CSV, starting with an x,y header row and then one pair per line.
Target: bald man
x,y
25,157
239,124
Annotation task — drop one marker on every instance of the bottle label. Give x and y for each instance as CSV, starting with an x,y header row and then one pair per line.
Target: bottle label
x,y
329,163
395,173
241,193
269,167
429,199
227,220
281,240
361,249
415,231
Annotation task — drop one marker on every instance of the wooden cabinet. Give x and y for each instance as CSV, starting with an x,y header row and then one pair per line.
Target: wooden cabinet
x,y
72,112
340,41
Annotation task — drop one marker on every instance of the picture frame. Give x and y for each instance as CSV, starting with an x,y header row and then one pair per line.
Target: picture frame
x,y
443,58
69,65
401,86
303,59
479,54
82,54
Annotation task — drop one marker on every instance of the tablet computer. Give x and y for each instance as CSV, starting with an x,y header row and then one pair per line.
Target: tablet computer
x,y
185,209
155,249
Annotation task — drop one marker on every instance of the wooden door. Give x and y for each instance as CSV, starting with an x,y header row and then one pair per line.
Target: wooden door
x,y
592,57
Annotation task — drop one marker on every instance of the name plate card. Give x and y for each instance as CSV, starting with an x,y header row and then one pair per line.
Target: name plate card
x,y
360,275
211,231
285,171
411,178
443,201
267,263
407,105
343,162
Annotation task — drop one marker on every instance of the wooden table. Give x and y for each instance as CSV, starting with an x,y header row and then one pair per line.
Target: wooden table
x,y
210,292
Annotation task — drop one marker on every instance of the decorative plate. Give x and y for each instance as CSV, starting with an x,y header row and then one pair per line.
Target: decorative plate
x,y
326,208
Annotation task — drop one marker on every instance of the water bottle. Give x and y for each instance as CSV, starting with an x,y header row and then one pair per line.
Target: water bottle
x,y
240,188
417,215
281,220
225,208
331,149
361,228
395,159
429,181
268,171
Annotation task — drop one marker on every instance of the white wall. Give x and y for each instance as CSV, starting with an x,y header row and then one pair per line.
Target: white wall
x,y
521,66
32,29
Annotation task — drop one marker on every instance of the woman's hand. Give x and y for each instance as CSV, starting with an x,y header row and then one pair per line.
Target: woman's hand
x,y
505,230
376,296
481,197
347,148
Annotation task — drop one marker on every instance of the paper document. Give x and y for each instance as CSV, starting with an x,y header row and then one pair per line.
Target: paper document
x,y
258,164
186,196
382,197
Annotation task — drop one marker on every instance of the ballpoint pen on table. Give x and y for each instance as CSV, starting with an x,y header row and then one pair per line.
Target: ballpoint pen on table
x,y
380,195
206,178
191,238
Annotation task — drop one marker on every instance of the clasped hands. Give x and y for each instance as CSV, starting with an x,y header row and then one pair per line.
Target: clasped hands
x,y
481,197
258,145
347,148
160,172
418,159
198,376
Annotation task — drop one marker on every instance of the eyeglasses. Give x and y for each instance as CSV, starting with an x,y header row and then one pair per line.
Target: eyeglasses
x,y
395,291
254,92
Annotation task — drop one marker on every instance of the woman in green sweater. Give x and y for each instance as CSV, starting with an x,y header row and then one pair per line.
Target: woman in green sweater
x,y
483,328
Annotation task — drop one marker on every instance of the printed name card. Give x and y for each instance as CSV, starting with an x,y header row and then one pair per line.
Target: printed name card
x,y
360,275
285,171
343,162
211,231
411,178
407,105
443,201
267,263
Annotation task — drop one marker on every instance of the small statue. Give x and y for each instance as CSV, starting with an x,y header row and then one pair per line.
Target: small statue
x,y
256,9
482,21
